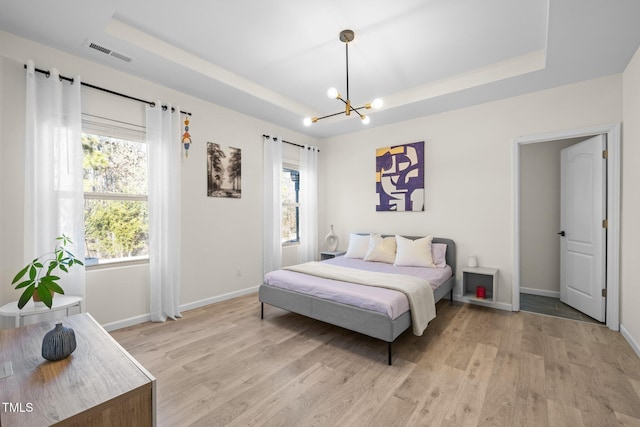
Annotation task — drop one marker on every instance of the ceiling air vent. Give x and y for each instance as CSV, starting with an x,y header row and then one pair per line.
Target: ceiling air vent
x,y
120,56
107,51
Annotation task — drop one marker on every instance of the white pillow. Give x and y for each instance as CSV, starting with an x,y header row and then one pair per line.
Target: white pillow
x,y
439,254
358,246
381,249
414,253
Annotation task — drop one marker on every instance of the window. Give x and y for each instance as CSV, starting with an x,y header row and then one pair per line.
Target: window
x,y
290,187
116,213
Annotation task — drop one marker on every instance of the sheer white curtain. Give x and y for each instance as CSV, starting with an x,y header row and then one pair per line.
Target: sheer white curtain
x,y
54,200
163,136
272,205
308,249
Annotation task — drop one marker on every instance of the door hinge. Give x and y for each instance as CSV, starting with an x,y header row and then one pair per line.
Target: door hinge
x,y
605,154
604,293
605,223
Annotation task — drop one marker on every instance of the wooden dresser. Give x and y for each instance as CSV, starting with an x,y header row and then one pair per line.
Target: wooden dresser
x,y
99,384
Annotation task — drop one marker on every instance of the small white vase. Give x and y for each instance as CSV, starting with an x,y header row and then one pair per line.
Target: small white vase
x,y
331,240
472,261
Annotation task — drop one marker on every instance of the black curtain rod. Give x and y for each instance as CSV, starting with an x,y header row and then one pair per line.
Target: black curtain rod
x,y
69,79
287,142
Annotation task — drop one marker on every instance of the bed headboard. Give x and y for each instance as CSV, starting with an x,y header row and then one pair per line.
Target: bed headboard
x,y
451,248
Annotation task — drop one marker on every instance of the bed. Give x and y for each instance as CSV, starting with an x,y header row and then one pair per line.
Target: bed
x,y
366,318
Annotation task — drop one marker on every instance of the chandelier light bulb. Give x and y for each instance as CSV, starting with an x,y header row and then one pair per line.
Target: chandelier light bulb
x,y
307,121
365,120
333,93
377,103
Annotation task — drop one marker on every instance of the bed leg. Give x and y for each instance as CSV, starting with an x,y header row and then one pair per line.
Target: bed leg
x,y
389,351
262,310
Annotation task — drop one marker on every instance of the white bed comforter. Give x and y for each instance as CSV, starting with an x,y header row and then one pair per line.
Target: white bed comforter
x,y
418,291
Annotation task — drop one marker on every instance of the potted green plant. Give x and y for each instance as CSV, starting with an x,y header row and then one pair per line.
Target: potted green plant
x,y
41,282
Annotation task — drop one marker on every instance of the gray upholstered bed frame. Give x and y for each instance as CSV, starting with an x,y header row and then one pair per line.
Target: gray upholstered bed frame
x,y
374,324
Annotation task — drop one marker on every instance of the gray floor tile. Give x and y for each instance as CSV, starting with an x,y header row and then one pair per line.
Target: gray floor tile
x,y
552,307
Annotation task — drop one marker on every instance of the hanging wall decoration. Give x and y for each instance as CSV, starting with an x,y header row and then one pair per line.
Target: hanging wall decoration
x,y
224,171
400,177
186,137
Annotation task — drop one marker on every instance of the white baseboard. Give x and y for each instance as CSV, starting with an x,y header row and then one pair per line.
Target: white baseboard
x,y
491,304
632,342
223,297
541,292
184,307
112,326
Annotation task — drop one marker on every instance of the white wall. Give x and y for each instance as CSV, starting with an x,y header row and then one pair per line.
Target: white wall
x,y
2,177
630,221
468,169
11,186
219,236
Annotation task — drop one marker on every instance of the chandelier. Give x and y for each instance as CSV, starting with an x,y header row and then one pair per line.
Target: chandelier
x,y
346,36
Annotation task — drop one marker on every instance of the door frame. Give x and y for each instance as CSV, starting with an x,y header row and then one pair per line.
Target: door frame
x,y
613,210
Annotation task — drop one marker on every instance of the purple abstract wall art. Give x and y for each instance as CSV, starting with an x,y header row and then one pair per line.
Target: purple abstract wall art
x,y
400,177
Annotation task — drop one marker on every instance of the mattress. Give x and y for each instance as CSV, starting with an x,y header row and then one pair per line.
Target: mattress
x,y
387,301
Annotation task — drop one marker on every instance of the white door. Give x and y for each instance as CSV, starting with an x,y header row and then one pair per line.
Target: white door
x,y
583,236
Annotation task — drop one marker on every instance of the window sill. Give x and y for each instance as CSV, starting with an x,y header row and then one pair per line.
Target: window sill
x,y
106,264
290,244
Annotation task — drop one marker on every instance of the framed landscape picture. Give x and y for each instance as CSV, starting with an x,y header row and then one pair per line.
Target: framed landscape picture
x,y
224,171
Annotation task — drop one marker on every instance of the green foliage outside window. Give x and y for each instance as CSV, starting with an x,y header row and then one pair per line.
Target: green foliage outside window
x,y
116,228
115,185
289,187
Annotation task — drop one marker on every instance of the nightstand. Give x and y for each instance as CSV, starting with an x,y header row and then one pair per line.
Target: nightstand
x,y
330,254
472,277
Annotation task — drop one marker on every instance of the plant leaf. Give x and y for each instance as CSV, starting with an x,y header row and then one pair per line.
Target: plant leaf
x,y
37,264
78,262
52,267
20,274
33,272
70,254
49,279
53,286
63,268
45,295
23,284
26,296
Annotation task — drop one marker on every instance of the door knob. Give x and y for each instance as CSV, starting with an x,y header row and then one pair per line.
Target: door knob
x,y
561,233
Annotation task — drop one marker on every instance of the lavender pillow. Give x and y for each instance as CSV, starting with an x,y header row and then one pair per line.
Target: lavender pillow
x,y
439,252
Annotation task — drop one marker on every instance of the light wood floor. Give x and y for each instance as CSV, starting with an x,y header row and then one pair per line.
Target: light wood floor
x,y
222,365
